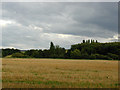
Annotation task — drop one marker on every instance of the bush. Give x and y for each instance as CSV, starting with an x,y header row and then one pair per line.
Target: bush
x,y
92,56
113,56
75,54
19,55
85,56
99,56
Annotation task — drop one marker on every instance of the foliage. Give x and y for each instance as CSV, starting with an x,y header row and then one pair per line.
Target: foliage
x,y
75,54
95,50
19,55
8,51
88,49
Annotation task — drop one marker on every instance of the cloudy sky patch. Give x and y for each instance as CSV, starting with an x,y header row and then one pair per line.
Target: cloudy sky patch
x,y
35,25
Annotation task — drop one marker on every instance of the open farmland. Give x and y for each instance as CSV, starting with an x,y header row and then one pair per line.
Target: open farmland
x,y
59,73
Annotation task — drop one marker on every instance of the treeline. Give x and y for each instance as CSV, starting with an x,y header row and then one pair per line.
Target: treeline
x,y
6,52
88,49
95,50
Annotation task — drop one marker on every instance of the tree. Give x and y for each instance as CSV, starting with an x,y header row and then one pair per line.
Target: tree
x,y
75,54
40,53
88,41
96,41
84,53
67,54
91,41
52,47
46,53
35,54
8,51
83,41
59,52
52,50
113,56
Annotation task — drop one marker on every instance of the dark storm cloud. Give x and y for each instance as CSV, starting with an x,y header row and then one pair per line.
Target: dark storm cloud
x,y
67,23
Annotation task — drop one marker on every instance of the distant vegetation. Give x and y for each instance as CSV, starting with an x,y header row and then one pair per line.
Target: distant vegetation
x,y
88,49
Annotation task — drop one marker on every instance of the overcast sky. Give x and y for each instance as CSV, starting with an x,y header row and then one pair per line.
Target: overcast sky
x,y
35,25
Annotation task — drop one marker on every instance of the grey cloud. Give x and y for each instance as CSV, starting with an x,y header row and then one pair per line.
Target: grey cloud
x,y
100,14
81,20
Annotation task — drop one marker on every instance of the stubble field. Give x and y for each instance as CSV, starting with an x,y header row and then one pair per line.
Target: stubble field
x,y
59,73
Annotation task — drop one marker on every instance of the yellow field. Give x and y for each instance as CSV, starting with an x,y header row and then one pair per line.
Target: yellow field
x,y
59,73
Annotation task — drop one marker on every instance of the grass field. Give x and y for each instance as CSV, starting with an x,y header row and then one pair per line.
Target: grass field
x,y
59,73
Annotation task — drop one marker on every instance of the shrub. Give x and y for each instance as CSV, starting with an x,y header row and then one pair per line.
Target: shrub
x,y
113,56
99,56
75,54
92,56
19,55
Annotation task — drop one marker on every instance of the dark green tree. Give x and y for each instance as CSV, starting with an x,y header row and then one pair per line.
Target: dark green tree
x,y
83,41
88,41
75,54
91,41
52,50
96,41
52,47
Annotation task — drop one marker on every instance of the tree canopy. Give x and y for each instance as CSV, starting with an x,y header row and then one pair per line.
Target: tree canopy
x,y
88,49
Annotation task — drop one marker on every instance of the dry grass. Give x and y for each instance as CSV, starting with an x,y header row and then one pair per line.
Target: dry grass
x,y
59,73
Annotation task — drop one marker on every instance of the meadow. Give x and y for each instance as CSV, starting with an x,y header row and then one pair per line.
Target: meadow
x,y
59,73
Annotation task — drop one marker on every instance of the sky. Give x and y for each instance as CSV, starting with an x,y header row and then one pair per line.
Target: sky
x,y
33,25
